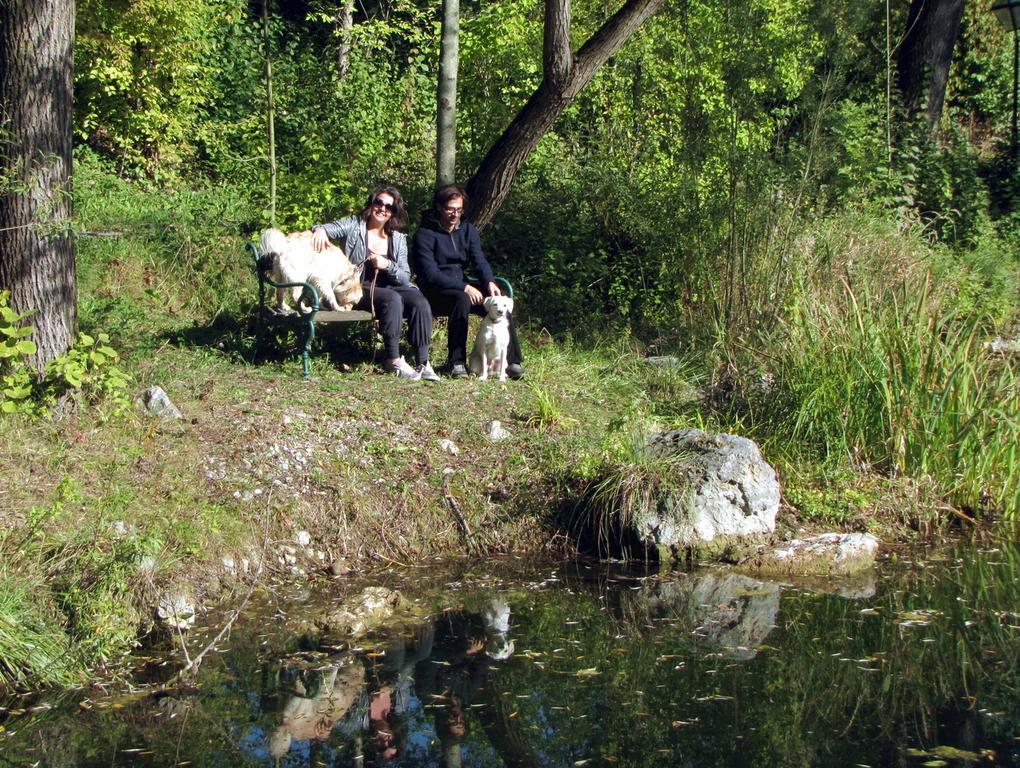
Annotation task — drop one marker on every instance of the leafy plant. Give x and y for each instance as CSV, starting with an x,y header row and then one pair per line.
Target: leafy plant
x,y
89,372
15,349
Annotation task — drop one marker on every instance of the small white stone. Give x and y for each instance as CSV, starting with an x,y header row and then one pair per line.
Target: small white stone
x,y
495,432
303,538
228,564
449,446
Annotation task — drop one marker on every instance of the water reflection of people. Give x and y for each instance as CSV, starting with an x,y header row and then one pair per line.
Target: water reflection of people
x,y
391,687
465,645
322,697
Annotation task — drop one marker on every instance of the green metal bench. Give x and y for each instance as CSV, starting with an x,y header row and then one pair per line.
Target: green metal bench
x,y
304,324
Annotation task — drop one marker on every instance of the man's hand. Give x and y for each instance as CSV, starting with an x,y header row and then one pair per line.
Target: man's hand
x,y
474,294
320,241
494,290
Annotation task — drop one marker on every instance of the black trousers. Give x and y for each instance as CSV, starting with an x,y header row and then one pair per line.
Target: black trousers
x,y
394,304
455,304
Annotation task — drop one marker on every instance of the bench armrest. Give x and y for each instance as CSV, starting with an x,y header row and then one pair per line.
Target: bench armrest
x,y
504,285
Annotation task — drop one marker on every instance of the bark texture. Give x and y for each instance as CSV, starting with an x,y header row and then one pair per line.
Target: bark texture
x,y
564,76
346,24
446,97
36,242
933,27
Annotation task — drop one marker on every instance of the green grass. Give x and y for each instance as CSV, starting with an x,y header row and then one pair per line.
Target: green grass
x,y
873,357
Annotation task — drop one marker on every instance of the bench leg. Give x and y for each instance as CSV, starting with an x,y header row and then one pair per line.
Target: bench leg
x,y
306,352
259,331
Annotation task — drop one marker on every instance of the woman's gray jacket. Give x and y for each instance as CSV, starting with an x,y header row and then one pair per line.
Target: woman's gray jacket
x,y
350,234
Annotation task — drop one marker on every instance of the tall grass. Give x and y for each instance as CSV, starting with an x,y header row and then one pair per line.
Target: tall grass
x,y
34,649
882,367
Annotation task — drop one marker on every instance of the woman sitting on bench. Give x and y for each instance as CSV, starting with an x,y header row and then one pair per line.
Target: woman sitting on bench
x,y
374,243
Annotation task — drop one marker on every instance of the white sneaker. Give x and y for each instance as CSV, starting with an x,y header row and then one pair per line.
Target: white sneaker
x,y
425,372
402,370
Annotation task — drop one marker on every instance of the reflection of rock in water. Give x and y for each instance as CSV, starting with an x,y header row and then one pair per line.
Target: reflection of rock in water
x,y
724,610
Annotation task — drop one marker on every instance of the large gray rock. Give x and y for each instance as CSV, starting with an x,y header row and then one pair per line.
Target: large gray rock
x,y
176,611
375,606
723,491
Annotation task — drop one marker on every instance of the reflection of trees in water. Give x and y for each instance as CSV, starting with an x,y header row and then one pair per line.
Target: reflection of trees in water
x,y
611,666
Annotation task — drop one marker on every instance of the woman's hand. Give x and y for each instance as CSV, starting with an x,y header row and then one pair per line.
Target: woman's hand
x,y
494,290
474,294
320,240
379,262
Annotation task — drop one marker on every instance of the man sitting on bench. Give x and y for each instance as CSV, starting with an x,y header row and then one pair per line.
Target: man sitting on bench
x,y
446,249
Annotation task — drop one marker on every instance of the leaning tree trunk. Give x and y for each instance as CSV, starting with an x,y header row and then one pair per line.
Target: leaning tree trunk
x,y
446,97
933,27
36,243
564,77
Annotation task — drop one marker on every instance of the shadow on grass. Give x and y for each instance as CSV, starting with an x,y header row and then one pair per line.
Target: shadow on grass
x,y
233,334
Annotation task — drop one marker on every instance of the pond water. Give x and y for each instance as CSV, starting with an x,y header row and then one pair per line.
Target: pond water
x,y
579,664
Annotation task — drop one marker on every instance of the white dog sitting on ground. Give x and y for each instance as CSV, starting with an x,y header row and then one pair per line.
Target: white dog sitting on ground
x,y
329,271
488,356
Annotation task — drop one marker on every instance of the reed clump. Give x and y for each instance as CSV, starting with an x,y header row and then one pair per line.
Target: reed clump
x,y
875,354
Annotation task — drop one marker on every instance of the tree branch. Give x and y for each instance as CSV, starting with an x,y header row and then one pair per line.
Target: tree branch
x,y
489,186
557,58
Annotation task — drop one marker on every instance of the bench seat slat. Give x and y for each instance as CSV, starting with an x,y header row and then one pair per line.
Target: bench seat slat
x,y
350,316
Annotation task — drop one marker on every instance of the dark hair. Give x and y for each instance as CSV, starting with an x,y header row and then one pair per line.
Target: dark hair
x,y
398,219
445,194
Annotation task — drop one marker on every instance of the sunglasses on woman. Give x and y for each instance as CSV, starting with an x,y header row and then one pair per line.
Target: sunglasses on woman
x,y
381,204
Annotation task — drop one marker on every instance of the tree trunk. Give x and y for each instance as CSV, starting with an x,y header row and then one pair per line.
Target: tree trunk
x,y
564,76
446,99
270,112
925,55
343,61
36,242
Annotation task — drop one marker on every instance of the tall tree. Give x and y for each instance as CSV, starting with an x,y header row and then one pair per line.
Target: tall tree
x,y
36,243
564,76
270,110
346,19
925,55
446,98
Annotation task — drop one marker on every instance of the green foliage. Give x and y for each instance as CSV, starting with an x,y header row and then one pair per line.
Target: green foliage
x,y
880,367
89,373
142,82
34,650
15,350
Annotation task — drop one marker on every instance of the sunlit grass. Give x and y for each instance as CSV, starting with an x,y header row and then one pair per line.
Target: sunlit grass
x,y
907,389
